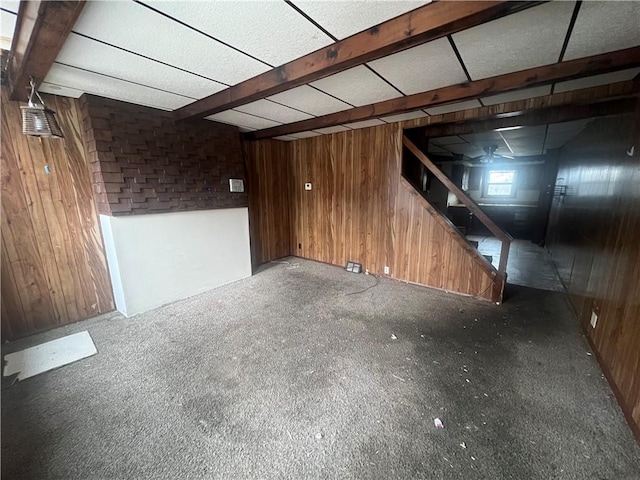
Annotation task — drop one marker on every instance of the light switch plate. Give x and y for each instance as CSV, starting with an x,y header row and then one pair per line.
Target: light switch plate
x,y
594,319
236,185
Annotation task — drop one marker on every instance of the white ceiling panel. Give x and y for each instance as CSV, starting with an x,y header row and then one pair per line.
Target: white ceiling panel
x,y
405,116
357,86
100,58
572,127
431,148
273,111
241,119
111,88
538,130
604,27
484,138
134,27
60,90
7,26
466,149
335,129
271,31
453,107
596,80
447,140
365,123
557,140
518,95
11,5
422,68
343,19
523,40
310,100
305,134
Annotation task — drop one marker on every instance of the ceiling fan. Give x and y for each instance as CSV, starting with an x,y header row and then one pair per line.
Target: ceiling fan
x,y
490,155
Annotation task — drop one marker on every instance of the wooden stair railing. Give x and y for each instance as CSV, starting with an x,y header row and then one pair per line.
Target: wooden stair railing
x,y
500,234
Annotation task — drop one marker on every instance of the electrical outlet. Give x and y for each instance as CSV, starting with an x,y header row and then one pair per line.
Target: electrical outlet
x,y
594,319
386,270
307,186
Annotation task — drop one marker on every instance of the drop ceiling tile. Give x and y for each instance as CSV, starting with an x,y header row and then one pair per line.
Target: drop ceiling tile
x,y
604,27
271,31
401,117
242,129
419,69
431,148
572,127
7,26
446,140
466,149
308,134
11,5
100,58
310,100
273,111
59,90
482,137
524,132
285,138
343,19
111,88
523,142
357,86
453,107
596,80
557,140
519,41
134,27
365,123
335,129
241,119
518,95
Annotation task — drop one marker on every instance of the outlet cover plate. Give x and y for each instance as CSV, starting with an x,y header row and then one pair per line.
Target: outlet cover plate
x,y
307,186
594,319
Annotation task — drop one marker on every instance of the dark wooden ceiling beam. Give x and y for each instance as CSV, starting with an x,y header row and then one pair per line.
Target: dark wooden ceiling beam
x,y
41,29
557,72
419,26
530,118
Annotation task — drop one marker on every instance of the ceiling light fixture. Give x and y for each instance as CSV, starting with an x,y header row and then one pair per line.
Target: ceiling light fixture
x,y
37,120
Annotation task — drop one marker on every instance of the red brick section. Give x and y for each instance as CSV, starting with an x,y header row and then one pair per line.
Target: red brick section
x,y
145,162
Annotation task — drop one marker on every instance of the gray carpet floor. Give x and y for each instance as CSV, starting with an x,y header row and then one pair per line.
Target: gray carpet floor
x,y
294,374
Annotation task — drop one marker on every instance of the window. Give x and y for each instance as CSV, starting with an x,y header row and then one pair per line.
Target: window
x,y
500,183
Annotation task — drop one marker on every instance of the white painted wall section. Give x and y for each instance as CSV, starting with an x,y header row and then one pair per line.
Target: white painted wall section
x,y
158,259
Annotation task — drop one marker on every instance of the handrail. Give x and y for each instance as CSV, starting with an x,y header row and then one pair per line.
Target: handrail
x,y
503,236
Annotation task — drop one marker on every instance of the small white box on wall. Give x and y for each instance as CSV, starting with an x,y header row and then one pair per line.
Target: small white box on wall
x,y
236,185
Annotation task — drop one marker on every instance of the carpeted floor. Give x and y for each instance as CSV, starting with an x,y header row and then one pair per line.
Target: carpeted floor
x,y
293,374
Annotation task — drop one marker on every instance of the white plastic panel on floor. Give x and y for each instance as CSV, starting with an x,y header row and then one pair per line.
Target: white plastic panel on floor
x,y
47,356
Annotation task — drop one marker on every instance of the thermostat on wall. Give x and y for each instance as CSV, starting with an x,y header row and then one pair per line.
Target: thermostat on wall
x,y
236,185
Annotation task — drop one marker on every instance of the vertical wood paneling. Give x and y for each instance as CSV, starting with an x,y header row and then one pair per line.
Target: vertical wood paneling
x,y
269,203
53,266
593,239
360,209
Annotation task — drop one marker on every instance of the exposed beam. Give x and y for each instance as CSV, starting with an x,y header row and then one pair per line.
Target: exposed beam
x,y
529,118
557,72
421,25
41,29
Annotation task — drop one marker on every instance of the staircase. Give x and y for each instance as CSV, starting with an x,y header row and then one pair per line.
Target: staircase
x,y
499,275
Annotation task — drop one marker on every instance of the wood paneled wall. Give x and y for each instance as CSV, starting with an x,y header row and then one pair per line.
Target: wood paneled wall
x,y
360,209
593,237
53,266
268,175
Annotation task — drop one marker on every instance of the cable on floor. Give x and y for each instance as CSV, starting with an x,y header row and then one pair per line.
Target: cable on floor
x,y
368,288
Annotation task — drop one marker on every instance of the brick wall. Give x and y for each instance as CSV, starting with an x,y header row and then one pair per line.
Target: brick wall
x,y
144,162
